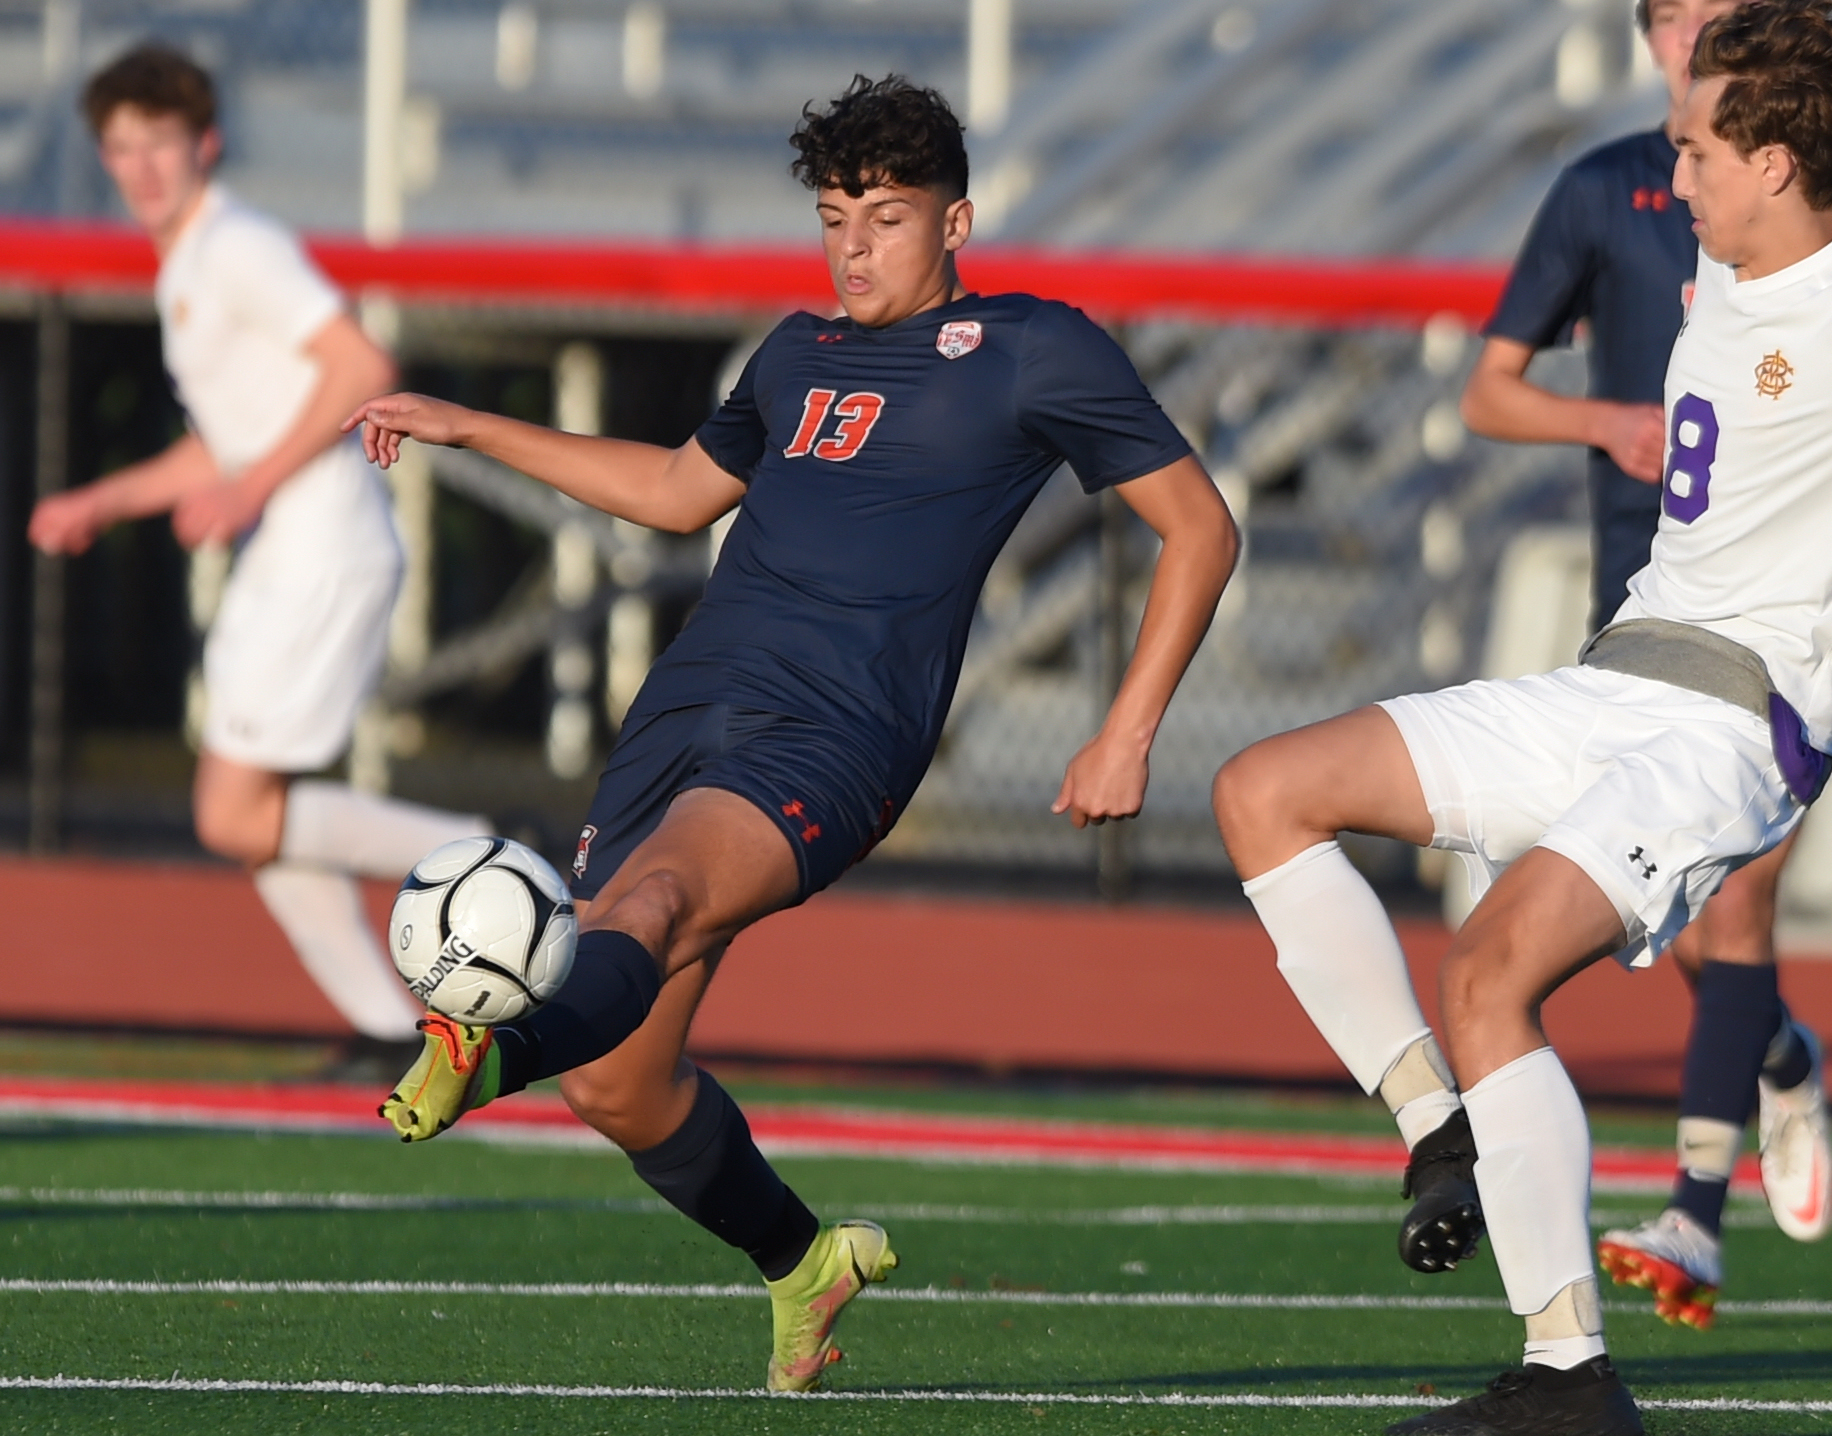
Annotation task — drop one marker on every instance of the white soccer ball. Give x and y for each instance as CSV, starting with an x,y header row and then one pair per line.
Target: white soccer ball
x,y
483,930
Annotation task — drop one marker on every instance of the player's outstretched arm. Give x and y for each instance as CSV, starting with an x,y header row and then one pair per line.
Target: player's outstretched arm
x,y
1500,403
69,522
1106,779
676,490
350,369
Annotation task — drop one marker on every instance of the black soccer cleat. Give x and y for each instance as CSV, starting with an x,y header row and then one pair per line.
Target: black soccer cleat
x,y
1445,1224
1588,1400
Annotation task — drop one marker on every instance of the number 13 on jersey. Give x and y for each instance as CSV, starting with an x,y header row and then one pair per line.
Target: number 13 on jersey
x,y
856,415
1691,450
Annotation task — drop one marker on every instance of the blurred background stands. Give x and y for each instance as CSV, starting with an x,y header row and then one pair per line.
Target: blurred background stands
x,y
1375,524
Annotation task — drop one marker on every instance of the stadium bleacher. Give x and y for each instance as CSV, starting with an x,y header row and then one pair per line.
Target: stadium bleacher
x,y
1319,127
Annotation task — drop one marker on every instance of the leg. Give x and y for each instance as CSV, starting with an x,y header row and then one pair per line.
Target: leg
x,y
715,865
1280,805
1742,1041
1541,923
333,825
1728,953
1740,1024
240,812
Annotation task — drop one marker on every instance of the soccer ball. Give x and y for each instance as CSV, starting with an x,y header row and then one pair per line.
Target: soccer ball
x,y
483,930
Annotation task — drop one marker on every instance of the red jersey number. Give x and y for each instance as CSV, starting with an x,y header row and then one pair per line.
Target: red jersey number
x,y
857,415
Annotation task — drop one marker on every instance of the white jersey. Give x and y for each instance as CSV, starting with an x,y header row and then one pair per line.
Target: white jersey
x,y
1747,502
238,302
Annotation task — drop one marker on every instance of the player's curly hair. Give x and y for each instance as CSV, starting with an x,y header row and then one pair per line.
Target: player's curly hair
x,y
1777,55
887,131
157,79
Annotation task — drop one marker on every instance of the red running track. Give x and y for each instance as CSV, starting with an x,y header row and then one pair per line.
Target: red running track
x,y
999,987
791,1130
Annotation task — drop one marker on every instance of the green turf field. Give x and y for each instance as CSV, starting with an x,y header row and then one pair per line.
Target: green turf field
x,y
999,1294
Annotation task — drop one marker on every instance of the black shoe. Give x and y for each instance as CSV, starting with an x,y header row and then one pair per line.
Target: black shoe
x,y
1445,1223
1588,1400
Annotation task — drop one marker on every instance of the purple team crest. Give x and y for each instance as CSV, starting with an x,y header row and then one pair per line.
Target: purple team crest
x,y
962,336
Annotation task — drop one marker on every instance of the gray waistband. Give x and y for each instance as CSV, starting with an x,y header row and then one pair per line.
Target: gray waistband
x,y
1686,657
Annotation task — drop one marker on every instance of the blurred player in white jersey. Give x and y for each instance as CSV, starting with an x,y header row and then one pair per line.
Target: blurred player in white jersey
x,y
1606,802
266,363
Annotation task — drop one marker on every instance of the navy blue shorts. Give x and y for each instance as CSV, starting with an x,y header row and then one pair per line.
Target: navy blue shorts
x,y
829,799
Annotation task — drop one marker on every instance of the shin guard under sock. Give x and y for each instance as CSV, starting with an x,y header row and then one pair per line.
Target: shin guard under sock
x,y
711,1172
1736,1012
613,984
1338,953
1534,1175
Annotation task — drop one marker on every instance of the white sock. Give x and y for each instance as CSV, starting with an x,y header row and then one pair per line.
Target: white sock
x,y
1533,1171
330,825
1338,953
1424,1115
322,915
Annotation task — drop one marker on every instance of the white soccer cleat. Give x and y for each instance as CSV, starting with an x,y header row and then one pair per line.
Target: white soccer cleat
x,y
1673,1257
1797,1150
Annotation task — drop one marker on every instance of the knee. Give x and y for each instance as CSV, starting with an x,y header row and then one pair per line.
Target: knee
x,y
1739,919
231,833
655,907
1479,979
609,1104
668,915
1249,789
635,1110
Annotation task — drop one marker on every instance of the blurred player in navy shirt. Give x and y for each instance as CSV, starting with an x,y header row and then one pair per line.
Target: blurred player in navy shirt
x,y
1612,246
878,462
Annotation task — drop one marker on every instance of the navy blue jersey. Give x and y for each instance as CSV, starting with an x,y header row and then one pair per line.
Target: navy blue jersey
x,y
1612,245
884,469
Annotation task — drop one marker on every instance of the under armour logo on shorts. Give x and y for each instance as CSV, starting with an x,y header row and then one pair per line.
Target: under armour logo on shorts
x,y
1640,859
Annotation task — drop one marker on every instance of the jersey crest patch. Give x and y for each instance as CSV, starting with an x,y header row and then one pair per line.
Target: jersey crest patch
x,y
958,337
584,855
1774,375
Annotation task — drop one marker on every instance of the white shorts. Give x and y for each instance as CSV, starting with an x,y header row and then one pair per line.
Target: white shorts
x,y
300,638
1656,792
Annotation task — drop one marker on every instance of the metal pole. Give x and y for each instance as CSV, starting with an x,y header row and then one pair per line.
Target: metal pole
x,y
989,36
578,408
384,100
1113,861
45,751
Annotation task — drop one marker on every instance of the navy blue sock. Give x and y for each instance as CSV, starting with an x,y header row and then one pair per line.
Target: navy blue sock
x,y
1736,1012
710,1171
1789,1061
612,986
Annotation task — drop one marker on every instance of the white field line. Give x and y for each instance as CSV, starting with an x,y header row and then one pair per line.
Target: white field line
x,y
1353,1401
1299,1215
745,1291
517,1136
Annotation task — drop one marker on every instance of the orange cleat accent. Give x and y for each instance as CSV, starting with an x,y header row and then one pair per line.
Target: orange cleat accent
x,y
1679,1297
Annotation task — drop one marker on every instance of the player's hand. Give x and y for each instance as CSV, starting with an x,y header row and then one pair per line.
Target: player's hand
x,y
217,514
1106,779
67,522
1635,436
394,417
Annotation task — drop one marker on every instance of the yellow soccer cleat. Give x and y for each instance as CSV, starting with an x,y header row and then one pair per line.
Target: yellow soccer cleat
x,y
806,1303
440,1087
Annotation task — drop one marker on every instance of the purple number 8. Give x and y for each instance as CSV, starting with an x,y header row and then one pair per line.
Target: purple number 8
x,y
1690,463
